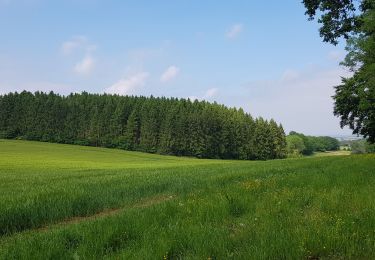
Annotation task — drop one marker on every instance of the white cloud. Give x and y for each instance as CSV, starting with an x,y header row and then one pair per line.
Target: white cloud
x,y
68,47
210,93
193,98
170,73
300,99
128,85
85,66
234,31
80,45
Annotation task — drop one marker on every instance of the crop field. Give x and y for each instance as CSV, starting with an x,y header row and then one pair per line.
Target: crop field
x,y
74,202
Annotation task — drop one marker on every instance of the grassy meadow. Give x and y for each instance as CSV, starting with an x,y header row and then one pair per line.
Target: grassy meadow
x,y
74,202
331,153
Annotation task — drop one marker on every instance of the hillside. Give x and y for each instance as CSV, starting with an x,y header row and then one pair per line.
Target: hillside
x,y
64,201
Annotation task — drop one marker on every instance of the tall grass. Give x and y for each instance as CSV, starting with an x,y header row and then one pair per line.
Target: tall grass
x,y
173,208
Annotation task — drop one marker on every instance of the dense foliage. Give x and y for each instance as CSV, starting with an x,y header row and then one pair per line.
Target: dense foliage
x,y
358,146
156,125
338,18
298,143
355,97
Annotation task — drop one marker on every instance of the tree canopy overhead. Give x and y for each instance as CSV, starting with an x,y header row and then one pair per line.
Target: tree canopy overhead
x,y
338,18
355,21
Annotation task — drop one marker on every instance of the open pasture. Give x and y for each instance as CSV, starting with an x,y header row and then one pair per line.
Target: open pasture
x,y
74,202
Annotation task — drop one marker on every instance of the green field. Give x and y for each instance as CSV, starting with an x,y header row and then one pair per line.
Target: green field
x,y
332,153
73,202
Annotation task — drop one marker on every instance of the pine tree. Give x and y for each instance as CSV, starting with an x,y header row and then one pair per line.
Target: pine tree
x,y
163,125
133,130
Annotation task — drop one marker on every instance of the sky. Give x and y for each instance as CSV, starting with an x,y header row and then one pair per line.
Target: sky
x,y
263,56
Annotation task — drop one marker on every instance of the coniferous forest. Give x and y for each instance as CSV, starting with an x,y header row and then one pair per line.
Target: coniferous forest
x,y
148,124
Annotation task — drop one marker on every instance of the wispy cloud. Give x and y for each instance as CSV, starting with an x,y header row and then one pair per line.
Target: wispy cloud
x,y
68,47
128,85
235,31
85,66
80,45
170,73
209,94
300,99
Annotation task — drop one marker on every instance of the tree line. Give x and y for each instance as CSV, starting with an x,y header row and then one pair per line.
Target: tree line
x,y
298,143
358,146
156,125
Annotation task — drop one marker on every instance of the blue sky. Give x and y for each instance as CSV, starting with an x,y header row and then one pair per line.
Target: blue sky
x,y
263,56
